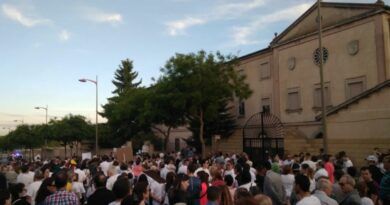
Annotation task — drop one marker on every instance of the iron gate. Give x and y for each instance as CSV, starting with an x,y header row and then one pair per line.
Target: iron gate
x,y
263,135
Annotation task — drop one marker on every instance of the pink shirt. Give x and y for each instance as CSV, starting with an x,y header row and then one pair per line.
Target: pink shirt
x,y
203,194
330,169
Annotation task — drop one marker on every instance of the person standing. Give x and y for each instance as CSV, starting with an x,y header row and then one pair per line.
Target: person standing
x,y
25,177
33,188
273,186
194,187
301,187
324,191
61,196
384,190
347,184
102,195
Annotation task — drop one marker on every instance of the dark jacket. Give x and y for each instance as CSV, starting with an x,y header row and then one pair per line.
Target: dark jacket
x,y
101,196
352,198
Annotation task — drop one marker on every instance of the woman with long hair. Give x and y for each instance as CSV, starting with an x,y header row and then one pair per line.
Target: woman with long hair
x,y
179,193
226,198
140,193
19,194
47,188
204,177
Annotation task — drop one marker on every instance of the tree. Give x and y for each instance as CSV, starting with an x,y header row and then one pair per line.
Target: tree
x,y
125,114
121,110
223,125
162,111
202,81
124,77
71,129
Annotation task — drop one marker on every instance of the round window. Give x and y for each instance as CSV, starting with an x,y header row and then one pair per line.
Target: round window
x,y
316,55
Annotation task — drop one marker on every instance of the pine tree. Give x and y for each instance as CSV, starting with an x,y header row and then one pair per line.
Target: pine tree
x,y
124,77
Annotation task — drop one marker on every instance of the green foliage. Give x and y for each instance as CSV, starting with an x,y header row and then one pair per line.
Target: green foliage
x,y
203,82
224,125
71,128
125,114
124,77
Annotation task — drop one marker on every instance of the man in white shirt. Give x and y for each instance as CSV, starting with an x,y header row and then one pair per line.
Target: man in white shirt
x,y
112,177
33,188
301,187
105,165
183,168
324,190
309,162
26,177
82,175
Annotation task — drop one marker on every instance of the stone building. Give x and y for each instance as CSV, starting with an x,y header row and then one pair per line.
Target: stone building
x,y
285,78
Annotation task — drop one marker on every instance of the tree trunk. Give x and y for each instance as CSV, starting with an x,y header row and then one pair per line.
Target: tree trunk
x,y
65,150
166,139
201,139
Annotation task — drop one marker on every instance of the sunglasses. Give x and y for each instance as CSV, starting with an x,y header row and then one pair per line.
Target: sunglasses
x,y
342,184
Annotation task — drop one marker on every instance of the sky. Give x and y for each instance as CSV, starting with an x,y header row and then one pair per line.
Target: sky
x,y
46,45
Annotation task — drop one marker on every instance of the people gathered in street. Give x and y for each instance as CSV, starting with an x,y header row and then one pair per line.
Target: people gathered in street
x,y
187,179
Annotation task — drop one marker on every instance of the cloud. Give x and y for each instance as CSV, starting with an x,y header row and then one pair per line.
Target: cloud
x,y
17,15
232,10
243,35
220,12
178,27
99,16
64,35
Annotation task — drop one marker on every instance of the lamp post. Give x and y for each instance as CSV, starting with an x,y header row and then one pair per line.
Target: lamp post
x,y
323,106
46,110
84,80
21,121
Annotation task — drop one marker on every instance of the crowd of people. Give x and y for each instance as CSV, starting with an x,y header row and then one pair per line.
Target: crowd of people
x,y
186,179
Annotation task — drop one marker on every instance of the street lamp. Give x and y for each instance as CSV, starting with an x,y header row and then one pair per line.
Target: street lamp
x,y
84,80
46,109
21,121
43,108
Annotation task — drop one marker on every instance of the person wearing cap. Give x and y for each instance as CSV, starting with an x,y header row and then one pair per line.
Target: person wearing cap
x,y
376,173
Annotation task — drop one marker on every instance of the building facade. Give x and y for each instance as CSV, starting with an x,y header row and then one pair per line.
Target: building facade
x,y
285,77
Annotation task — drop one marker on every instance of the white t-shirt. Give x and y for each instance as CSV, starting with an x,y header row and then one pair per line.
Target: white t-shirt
x,y
82,175
367,201
111,180
25,178
310,163
253,173
321,173
158,190
288,183
115,203
230,172
105,166
78,188
182,169
309,200
32,190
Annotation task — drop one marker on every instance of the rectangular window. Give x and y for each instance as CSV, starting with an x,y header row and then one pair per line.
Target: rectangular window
x,y
265,71
355,86
241,109
293,100
265,104
317,96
